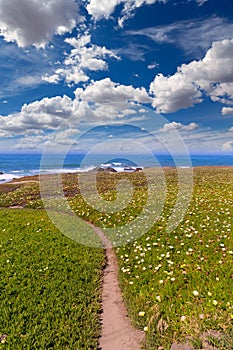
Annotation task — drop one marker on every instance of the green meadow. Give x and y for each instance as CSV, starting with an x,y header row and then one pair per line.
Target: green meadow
x,y
50,285
178,286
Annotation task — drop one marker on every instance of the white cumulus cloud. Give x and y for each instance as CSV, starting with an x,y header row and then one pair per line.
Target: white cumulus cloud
x,y
213,74
174,93
33,22
179,126
103,9
100,101
228,146
227,110
46,114
107,91
109,100
84,56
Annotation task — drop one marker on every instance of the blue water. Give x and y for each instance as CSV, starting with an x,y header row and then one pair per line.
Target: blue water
x,y
18,165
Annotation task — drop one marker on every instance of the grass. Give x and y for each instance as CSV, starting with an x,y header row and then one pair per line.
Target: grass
x,y
182,282
177,286
50,285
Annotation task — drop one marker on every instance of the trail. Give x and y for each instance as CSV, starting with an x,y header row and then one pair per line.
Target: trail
x,y
117,332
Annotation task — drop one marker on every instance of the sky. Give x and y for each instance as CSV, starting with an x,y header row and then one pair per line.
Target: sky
x,y
116,74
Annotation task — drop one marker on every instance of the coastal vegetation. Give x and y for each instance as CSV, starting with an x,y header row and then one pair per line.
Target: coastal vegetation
x,y
177,285
50,285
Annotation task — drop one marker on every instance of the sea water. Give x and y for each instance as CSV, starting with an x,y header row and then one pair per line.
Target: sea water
x,y
13,166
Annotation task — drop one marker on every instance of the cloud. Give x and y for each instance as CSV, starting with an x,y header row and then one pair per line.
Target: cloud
x,y
106,91
227,110
153,65
32,142
228,146
131,5
201,2
173,93
135,52
212,75
207,140
99,10
222,92
100,101
105,8
33,22
179,126
109,100
85,56
66,137
23,69
28,81
46,114
193,36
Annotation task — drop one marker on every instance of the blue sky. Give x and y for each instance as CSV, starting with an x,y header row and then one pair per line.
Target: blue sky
x,y
164,67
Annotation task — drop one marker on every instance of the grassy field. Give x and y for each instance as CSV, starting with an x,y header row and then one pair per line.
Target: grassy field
x,y
50,285
178,286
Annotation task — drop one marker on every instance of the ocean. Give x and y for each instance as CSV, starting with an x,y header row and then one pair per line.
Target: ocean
x,y
13,166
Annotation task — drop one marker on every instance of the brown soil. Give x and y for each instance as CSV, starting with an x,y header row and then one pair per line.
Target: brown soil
x,y
117,332
22,182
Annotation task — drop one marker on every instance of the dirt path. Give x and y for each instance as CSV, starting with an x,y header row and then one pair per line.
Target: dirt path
x,y
15,182
117,332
